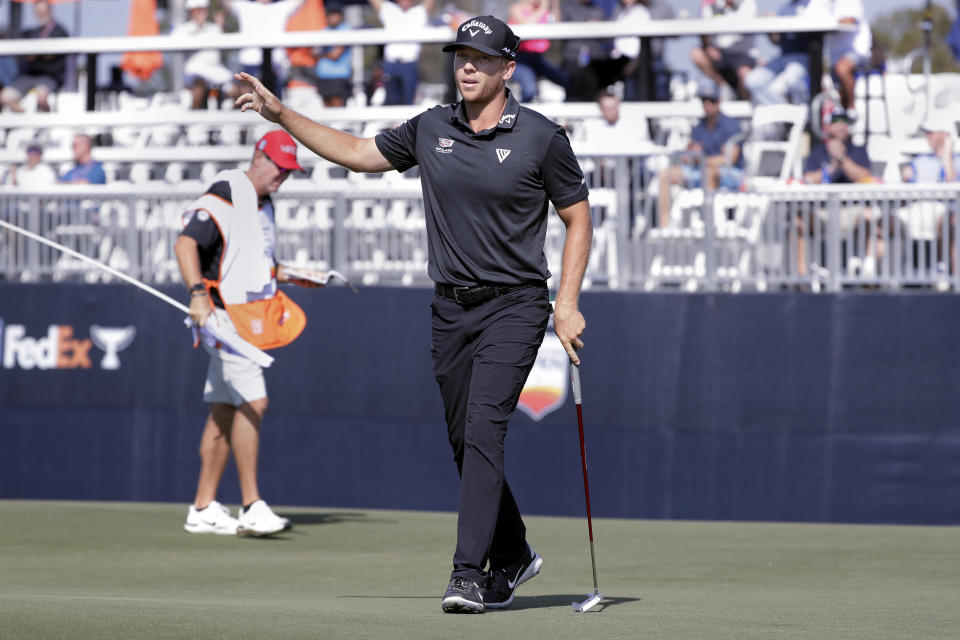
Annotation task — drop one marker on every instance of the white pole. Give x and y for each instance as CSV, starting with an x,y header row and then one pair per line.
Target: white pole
x,y
233,341
96,263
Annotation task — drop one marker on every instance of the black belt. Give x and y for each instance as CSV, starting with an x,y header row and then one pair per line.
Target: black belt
x,y
478,293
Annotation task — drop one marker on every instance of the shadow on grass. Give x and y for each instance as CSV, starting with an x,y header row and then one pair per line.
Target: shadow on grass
x,y
551,601
308,518
522,602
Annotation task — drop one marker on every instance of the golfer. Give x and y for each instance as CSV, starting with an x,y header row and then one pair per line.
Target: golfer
x,y
226,257
489,169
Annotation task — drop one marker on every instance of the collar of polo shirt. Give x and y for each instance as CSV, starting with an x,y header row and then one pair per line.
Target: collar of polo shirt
x,y
509,117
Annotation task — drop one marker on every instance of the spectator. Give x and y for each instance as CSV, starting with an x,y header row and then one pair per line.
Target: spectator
x,y
942,165
707,164
302,73
726,59
401,59
375,86
262,18
333,63
659,10
203,71
626,49
8,64
849,49
86,169
586,62
836,160
43,73
532,62
610,130
785,78
35,173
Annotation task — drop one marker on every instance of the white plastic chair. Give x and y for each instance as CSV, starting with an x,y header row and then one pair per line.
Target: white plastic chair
x,y
757,148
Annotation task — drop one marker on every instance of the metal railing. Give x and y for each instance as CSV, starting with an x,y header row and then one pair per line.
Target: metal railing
x,y
372,230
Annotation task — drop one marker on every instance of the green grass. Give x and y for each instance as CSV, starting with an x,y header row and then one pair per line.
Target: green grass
x,y
127,570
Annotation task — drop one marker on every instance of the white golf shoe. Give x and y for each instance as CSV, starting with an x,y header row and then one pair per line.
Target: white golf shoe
x,y
260,520
214,518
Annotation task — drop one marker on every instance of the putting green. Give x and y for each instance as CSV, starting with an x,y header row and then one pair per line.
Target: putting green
x,y
128,570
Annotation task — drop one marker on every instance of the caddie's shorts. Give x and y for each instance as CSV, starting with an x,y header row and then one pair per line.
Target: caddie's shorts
x,y
232,379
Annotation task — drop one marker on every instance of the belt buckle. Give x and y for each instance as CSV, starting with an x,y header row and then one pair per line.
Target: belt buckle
x,y
461,290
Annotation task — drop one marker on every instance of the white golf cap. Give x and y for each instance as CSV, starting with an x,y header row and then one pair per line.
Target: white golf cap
x,y
937,122
197,4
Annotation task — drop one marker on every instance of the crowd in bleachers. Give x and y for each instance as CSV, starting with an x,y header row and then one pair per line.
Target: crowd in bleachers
x,y
700,152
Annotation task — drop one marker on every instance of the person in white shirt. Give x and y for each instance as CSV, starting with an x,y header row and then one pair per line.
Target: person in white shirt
x,y
849,49
610,131
203,69
729,57
262,18
35,174
626,49
400,59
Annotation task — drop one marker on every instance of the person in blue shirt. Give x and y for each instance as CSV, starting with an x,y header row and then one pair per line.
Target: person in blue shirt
x,y
707,164
86,169
837,159
333,64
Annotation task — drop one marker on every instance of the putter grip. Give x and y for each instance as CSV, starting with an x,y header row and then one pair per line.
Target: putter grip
x,y
575,382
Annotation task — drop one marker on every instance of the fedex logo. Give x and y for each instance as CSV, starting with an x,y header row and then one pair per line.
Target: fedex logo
x,y
59,349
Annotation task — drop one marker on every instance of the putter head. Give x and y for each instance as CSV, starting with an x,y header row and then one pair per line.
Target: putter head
x,y
586,605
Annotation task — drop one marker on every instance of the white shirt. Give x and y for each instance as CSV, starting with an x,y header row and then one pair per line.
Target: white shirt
x,y
41,175
263,19
629,46
733,42
205,62
599,134
843,42
396,19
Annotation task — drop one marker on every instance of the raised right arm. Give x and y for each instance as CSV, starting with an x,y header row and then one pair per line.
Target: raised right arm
x,y
339,147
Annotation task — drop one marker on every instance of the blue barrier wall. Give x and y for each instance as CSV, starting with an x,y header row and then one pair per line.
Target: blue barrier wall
x,y
756,407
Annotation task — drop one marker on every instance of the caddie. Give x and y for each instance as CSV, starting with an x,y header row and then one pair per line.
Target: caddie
x,y
226,257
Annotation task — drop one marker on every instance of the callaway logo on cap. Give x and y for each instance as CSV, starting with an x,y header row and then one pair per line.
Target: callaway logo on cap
x,y
281,148
487,35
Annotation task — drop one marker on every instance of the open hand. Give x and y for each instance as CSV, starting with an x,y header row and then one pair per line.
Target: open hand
x,y
258,98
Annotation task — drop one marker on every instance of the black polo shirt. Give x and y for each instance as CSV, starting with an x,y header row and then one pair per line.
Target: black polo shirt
x,y
486,194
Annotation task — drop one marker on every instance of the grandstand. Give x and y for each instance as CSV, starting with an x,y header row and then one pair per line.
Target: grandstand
x,y
367,226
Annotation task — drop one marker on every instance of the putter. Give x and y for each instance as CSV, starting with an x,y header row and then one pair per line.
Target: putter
x,y
595,597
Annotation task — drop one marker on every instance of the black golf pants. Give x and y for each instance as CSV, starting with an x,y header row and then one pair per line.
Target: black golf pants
x,y
482,355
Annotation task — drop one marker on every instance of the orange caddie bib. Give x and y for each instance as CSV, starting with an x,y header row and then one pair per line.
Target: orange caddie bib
x,y
268,323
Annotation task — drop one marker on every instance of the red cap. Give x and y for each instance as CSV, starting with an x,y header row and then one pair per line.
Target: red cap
x,y
281,148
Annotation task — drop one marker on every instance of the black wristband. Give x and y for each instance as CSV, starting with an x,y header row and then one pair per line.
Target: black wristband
x,y
198,287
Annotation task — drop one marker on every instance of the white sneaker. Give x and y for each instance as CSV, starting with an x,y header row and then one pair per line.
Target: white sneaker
x,y
260,520
214,518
